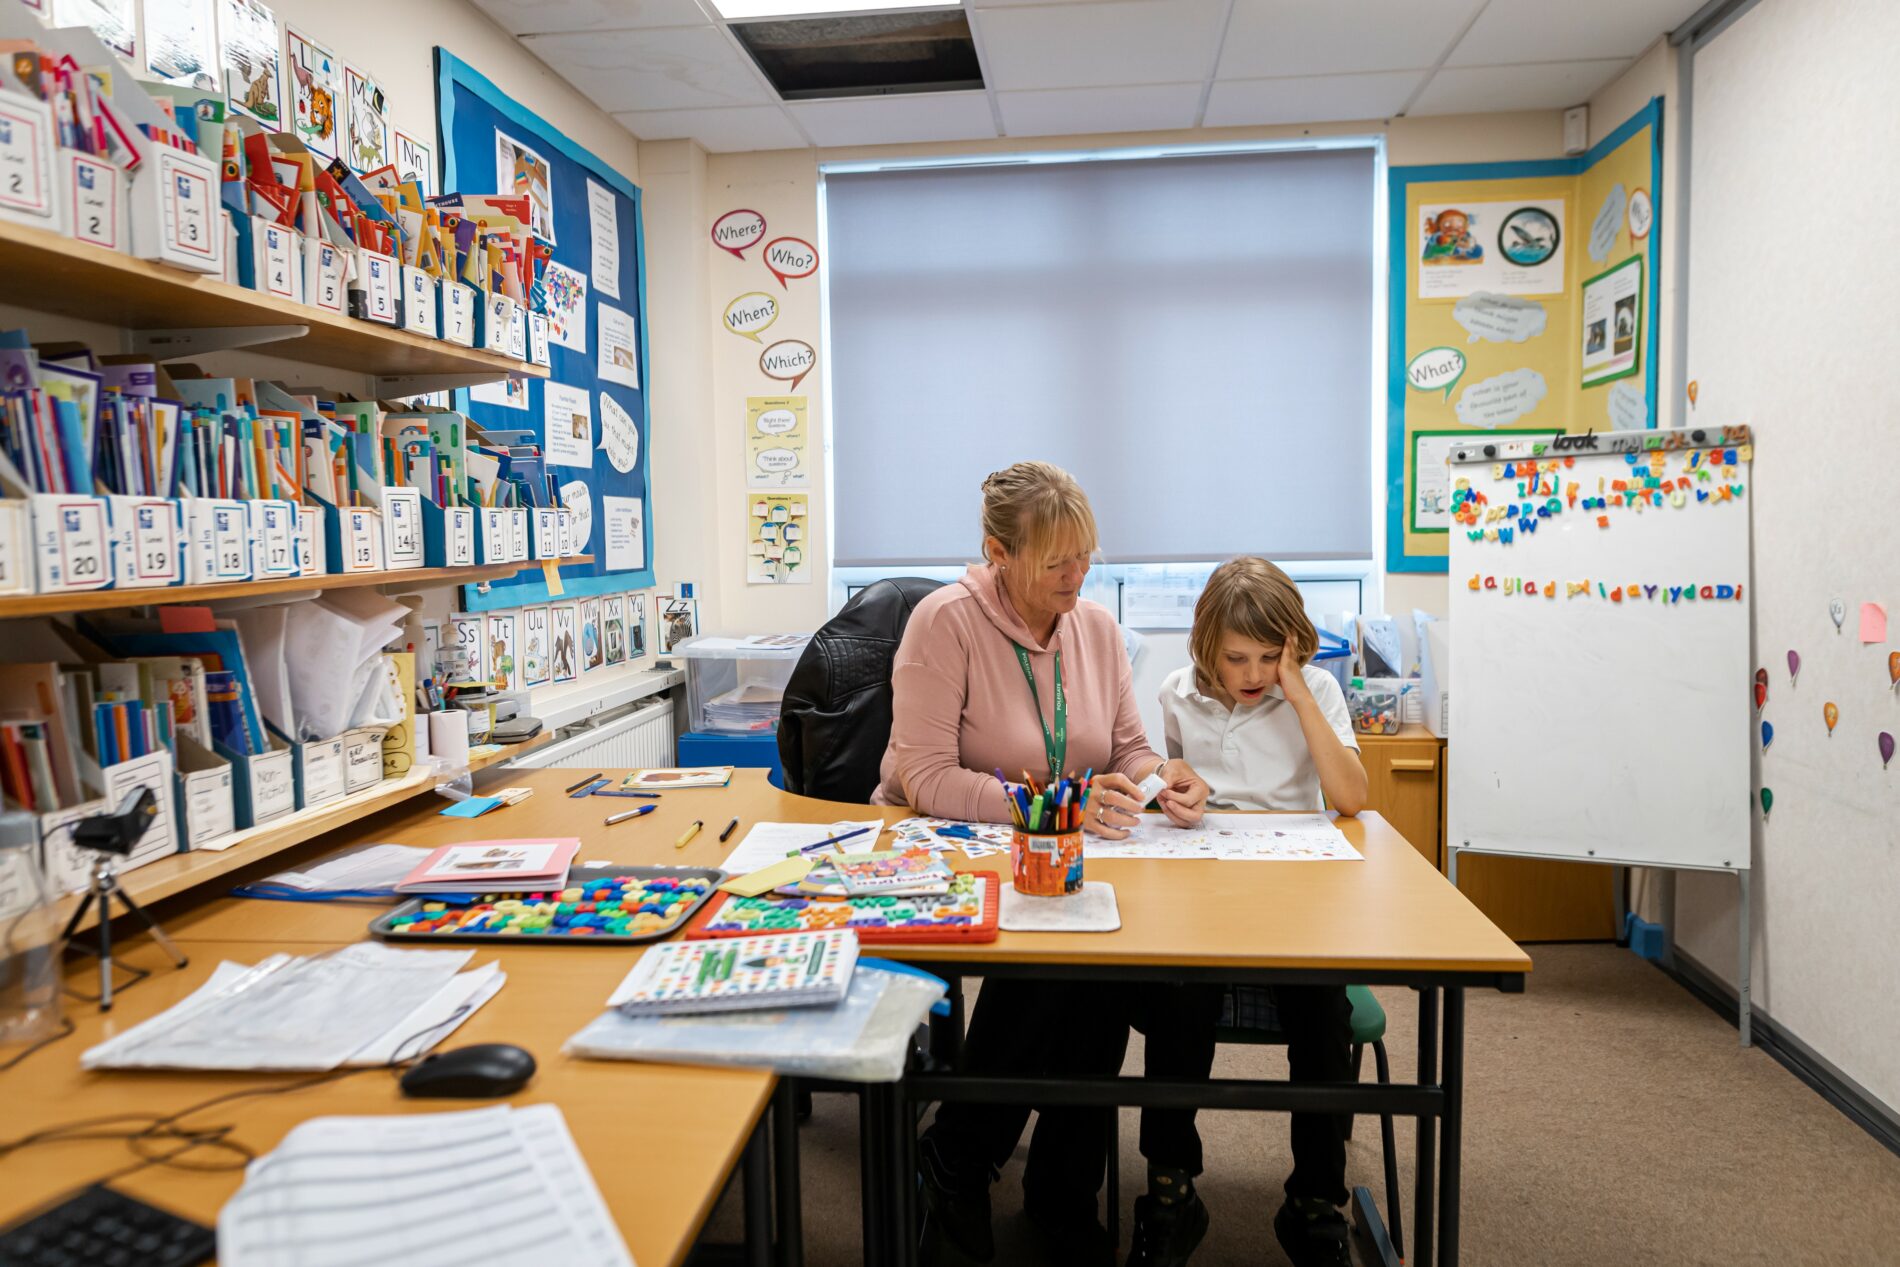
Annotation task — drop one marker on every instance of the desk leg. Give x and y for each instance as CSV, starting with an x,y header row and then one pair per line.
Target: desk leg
x,y
1451,1126
756,1186
873,1174
904,1214
788,1203
946,1032
1423,1194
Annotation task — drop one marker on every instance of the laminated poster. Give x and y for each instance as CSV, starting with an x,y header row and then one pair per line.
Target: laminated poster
x,y
250,60
777,539
1503,248
775,442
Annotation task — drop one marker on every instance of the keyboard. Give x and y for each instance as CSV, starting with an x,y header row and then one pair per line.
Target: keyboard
x,y
102,1227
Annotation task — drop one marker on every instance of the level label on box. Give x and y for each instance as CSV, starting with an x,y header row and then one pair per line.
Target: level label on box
x,y
309,535
97,197
518,534
418,311
497,320
276,539
458,313
322,771
283,267
518,337
538,339
26,158
16,571
78,549
547,533
379,287
155,541
187,199
362,531
230,543
326,277
458,523
402,519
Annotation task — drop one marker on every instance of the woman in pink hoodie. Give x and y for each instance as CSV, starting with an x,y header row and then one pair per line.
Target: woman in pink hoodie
x,y
1008,669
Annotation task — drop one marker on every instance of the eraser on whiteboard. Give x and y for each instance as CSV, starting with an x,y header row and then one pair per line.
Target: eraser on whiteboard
x,y
1151,786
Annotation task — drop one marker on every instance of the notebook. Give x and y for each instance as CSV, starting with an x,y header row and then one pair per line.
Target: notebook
x,y
892,871
672,776
490,866
778,970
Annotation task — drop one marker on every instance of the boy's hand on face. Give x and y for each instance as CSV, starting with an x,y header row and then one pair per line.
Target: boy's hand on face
x,y
1293,677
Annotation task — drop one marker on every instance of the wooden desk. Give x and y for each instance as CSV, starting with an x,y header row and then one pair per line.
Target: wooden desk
x,y
659,1139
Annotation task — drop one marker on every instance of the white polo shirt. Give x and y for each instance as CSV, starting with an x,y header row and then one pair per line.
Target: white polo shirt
x,y
1253,756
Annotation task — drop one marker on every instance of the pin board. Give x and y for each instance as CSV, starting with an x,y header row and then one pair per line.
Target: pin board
x,y
1601,596
597,342
1522,298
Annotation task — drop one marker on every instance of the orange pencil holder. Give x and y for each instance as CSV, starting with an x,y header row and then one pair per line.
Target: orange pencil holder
x,y
1046,864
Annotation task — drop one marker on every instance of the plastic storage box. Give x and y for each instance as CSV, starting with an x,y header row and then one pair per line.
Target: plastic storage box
x,y
735,686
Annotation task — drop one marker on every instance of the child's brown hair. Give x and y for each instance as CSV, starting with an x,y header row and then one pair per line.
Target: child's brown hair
x,y
1255,599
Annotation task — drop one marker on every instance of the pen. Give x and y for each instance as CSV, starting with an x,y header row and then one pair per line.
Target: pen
x,y
608,791
583,783
587,789
834,840
686,835
729,830
635,812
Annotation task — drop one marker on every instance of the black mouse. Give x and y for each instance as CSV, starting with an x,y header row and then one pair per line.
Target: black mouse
x,y
479,1072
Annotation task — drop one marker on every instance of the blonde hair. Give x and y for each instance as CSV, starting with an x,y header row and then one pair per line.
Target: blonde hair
x,y
1036,510
1251,597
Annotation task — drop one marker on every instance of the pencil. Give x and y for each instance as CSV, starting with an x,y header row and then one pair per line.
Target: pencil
x,y
583,783
688,834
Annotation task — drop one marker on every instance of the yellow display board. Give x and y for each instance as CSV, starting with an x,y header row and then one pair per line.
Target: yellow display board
x,y
1522,300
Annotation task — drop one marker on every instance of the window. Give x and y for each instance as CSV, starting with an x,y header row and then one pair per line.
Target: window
x,y
1192,336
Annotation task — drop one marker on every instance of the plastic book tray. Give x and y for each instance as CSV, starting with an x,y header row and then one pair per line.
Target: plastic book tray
x,y
588,909
964,914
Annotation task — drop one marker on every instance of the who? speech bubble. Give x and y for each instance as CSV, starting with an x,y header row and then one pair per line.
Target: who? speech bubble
x,y
1436,368
790,257
1500,318
788,360
1501,400
750,313
736,230
776,422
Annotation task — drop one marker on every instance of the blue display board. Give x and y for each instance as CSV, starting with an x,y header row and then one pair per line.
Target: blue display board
x,y
471,111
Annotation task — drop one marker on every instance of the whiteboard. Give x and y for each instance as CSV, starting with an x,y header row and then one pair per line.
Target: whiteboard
x,y
1589,728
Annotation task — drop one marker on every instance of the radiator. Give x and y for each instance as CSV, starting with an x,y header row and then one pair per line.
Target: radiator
x,y
637,739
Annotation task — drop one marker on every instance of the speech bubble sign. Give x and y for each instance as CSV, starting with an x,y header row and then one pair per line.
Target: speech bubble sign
x,y
1642,216
736,230
618,435
777,422
750,313
1501,400
774,461
1500,318
790,257
1629,407
788,360
579,499
1436,368
1604,228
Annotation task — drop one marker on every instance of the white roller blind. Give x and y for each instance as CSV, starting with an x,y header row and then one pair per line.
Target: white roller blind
x,y
1191,337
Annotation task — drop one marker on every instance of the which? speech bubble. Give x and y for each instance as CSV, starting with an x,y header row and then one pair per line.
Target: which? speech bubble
x,y
1500,318
736,230
776,422
790,257
1435,369
618,435
751,313
1501,400
788,360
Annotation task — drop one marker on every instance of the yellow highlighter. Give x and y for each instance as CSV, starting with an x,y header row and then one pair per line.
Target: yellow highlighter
x,y
688,834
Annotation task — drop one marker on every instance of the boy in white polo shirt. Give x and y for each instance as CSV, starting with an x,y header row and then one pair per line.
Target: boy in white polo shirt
x,y
1267,732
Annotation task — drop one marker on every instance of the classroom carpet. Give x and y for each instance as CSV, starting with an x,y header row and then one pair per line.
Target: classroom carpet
x,y
1611,1119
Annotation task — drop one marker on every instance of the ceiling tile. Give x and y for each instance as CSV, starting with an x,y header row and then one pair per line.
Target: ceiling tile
x,y
1538,31
1273,38
1310,99
1545,86
937,116
668,69
533,17
1071,111
1098,45
723,131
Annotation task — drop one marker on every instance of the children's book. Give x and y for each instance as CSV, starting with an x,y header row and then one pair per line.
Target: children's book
x,y
779,970
488,866
697,776
892,871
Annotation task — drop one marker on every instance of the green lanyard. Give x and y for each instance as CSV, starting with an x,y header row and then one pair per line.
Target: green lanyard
x,y
1056,745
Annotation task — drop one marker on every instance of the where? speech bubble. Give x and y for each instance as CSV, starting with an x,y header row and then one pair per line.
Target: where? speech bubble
x,y
736,230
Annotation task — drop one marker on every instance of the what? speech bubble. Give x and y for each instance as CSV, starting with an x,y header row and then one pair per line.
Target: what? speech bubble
x,y
788,360
736,230
776,422
751,313
790,257
1436,368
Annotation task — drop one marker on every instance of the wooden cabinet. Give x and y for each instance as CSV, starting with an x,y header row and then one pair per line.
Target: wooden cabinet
x,y
1531,899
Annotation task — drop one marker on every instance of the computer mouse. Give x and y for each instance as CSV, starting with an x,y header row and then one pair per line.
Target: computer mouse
x,y
479,1072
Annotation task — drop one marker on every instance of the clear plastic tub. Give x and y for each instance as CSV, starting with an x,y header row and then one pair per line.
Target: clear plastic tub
x,y
1374,705
736,686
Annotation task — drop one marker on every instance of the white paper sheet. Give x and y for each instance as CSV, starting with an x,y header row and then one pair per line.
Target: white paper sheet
x,y
569,417
605,232
767,843
370,867
619,347
1232,838
625,533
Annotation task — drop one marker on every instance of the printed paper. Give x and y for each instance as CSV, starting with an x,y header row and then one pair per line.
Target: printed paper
x,y
520,170
250,60
626,533
368,128
776,539
619,347
1612,322
415,161
775,442
113,21
181,42
567,306
315,85
1506,248
604,224
569,425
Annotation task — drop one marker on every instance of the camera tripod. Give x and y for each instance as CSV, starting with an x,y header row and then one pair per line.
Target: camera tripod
x,y
105,887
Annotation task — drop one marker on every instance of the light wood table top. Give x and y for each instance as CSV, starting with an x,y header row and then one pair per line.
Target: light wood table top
x,y
659,1139
1391,913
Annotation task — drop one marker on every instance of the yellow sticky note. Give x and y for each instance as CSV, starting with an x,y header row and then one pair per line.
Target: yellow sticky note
x,y
552,571
765,879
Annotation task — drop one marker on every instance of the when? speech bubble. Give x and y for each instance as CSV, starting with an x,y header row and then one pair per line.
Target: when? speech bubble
x,y
751,313
788,360
790,257
776,422
773,461
1501,400
618,435
736,230
1500,318
1436,368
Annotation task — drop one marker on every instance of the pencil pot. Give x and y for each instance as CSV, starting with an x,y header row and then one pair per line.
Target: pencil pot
x,y
1046,865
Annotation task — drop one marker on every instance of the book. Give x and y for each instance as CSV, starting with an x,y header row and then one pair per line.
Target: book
x,y
489,866
778,970
697,776
892,871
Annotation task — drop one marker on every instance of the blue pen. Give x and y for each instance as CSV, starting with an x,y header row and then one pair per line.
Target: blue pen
x,y
632,813
588,790
597,790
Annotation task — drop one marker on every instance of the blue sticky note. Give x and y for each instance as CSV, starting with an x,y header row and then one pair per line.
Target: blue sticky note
x,y
473,807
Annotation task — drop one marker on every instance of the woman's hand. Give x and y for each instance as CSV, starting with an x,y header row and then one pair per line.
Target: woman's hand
x,y
1114,806
1184,800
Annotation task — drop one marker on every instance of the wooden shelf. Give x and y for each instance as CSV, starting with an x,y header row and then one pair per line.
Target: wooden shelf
x,y
26,605
54,273
158,880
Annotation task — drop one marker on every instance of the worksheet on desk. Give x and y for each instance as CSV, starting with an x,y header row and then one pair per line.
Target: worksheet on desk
x,y
1232,838
768,843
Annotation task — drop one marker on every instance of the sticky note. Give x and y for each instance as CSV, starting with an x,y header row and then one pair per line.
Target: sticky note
x,y
473,807
765,879
1873,622
551,573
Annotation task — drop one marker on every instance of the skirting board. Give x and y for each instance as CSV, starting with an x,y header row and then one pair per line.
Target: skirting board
x,y
1839,1090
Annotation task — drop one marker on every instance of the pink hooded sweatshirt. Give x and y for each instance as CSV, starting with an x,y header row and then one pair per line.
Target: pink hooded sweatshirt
x,y
961,707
